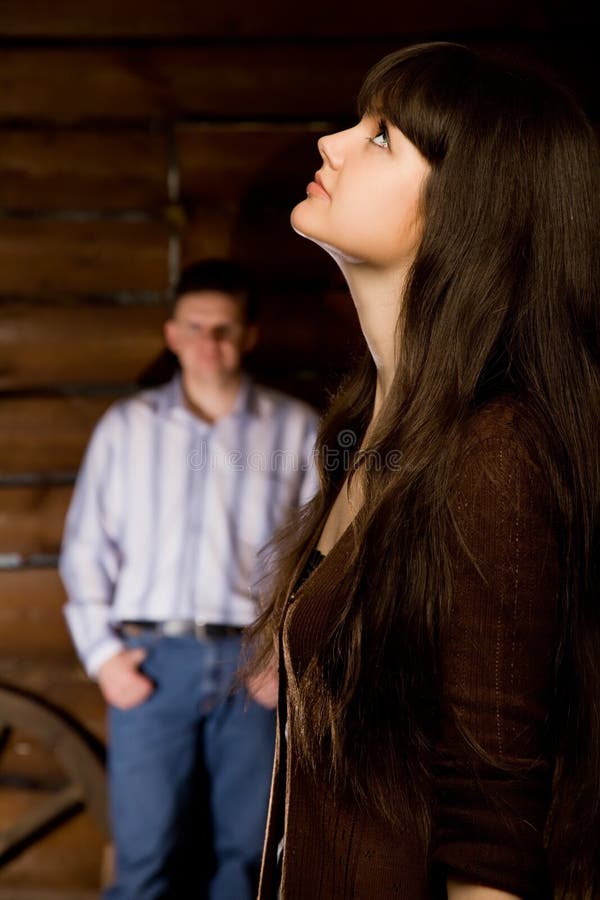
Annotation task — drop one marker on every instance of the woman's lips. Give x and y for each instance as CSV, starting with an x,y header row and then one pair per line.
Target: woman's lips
x,y
314,189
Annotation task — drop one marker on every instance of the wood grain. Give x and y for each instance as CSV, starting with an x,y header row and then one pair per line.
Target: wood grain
x,y
219,164
95,257
36,652
187,18
154,83
32,518
46,435
44,169
42,345
32,625
27,762
239,185
260,234
298,81
66,860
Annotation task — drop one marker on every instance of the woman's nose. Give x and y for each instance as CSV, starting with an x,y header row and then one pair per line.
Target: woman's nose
x,y
330,147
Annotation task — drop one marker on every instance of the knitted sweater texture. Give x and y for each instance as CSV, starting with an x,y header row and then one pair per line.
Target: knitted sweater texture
x,y
497,683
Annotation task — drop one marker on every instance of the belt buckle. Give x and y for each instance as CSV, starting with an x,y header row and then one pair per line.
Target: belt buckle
x,y
200,631
174,628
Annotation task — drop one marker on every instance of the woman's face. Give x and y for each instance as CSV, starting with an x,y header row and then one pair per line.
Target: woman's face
x,y
363,206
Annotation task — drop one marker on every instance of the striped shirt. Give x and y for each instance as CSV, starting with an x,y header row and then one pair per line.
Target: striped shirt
x,y
169,511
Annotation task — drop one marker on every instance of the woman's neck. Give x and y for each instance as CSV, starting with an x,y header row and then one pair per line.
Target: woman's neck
x,y
377,295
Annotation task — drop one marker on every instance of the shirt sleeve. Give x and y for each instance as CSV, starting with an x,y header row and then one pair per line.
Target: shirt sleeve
x,y
89,559
493,767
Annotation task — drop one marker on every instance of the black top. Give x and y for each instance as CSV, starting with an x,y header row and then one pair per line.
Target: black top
x,y
311,564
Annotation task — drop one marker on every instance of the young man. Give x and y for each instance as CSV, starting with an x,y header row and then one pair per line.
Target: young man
x,y
180,488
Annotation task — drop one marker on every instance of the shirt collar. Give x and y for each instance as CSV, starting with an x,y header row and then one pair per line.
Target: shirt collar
x,y
173,400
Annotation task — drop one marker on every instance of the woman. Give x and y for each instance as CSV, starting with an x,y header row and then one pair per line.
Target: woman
x,y
435,613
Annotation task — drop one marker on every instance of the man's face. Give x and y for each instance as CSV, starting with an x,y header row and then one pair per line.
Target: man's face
x,y
209,335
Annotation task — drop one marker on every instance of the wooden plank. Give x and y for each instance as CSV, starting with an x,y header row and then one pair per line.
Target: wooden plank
x,y
65,864
42,345
309,341
92,256
32,518
18,587
74,85
27,763
43,816
46,434
318,325
64,345
269,17
60,682
20,892
36,651
31,618
69,169
209,232
261,235
264,80
219,164
83,767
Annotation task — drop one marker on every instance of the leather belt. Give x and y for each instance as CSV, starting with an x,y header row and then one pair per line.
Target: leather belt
x,y
202,631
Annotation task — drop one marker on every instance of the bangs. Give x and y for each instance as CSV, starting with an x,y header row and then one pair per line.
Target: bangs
x,y
417,90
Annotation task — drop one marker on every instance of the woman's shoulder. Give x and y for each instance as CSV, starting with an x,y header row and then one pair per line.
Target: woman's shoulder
x,y
498,483
501,417
504,420
503,438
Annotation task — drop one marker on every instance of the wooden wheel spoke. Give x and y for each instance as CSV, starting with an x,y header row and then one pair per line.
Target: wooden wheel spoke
x,y
81,784
45,816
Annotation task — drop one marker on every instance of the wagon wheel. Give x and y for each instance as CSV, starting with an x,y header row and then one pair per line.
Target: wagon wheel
x,y
83,769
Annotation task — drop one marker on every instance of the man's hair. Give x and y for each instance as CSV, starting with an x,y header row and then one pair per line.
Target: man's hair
x,y
223,275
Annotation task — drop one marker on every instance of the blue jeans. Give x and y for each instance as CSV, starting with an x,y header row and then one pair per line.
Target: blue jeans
x,y
189,778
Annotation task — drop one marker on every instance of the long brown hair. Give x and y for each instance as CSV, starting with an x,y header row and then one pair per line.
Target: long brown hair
x,y
502,299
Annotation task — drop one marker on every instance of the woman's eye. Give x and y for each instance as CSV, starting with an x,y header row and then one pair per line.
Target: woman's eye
x,y
381,138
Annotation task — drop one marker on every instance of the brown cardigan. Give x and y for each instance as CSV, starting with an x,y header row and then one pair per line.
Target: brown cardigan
x,y
497,677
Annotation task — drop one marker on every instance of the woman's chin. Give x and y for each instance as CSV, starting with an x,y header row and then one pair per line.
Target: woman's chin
x,y
299,219
302,221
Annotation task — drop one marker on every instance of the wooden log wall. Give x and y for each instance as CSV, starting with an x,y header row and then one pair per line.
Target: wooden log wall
x,y
134,137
